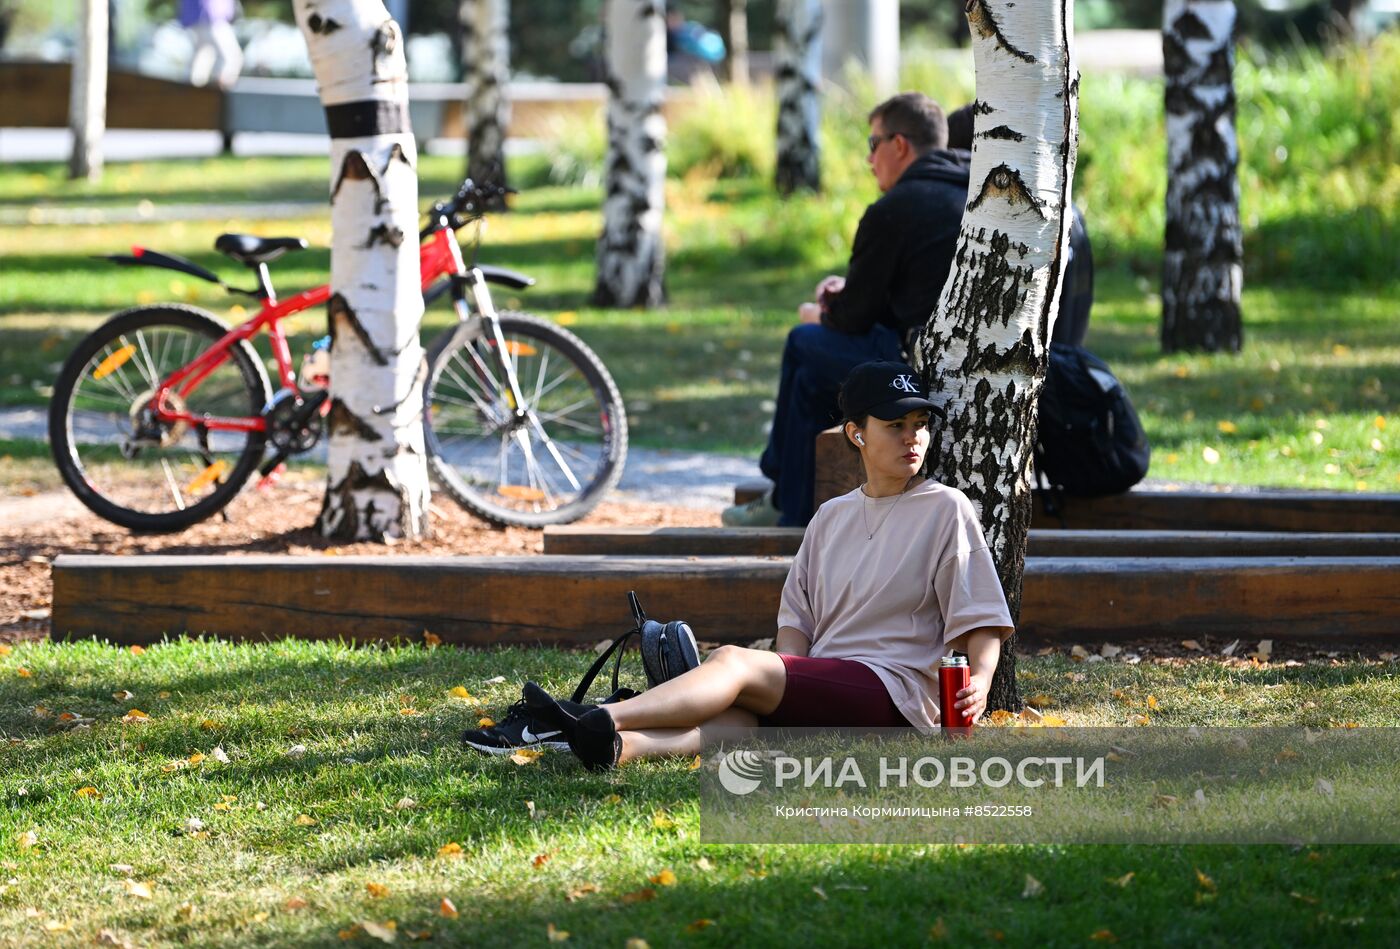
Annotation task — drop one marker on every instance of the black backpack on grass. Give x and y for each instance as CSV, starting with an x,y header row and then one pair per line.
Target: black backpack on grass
x,y
1089,442
668,649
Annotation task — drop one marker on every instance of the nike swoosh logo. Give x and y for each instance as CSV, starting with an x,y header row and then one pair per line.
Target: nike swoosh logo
x,y
529,737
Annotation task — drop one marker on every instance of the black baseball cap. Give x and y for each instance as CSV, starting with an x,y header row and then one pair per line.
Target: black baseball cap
x,y
886,390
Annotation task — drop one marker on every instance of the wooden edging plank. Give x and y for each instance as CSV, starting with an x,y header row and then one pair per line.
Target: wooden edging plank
x,y
783,542
1229,511
527,600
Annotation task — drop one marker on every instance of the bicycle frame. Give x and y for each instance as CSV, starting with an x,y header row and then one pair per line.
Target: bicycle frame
x,y
439,256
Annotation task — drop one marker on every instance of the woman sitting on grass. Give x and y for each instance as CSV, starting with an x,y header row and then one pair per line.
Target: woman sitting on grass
x,y
889,579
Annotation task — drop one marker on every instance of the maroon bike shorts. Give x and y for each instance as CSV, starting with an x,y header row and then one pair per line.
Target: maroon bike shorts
x,y
833,693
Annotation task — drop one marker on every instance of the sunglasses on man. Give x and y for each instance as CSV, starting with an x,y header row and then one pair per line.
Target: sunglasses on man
x,y
875,140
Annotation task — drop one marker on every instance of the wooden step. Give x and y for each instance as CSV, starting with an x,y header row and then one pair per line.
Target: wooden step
x,y
783,542
746,491
1312,511
483,601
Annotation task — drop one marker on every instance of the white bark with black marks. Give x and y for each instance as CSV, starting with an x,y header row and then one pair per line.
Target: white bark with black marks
x,y
797,50
985,348
486,72
87,102
1202,264
377,479
631,257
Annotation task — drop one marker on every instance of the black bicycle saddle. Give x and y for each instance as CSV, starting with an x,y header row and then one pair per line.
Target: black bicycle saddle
x,y
250,250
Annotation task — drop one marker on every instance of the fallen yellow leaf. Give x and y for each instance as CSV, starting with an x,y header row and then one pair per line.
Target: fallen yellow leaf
x,y
55,926
134,716
459,692
525,756
664,878
409,711
430,640
1000,717
1152,703
387,931
580,891
195,758
1103,935
695,764
138,889
698,925
1123,881
451,851
1140,719
539,860
1040,699
138,650
1226,427
447,909
208,724
613,799
304,820
639,896
636,942
5,649
484,722
704,864
662,821
1052,721
123,696
295,903
377,890
1205,882
1033,888
88,791
23,673
938,931
555,935
1191,644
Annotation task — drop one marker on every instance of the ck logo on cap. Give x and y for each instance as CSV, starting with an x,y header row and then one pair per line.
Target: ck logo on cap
x,y
904,383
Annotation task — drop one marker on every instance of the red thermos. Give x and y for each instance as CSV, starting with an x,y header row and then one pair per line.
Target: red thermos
x,y
953,676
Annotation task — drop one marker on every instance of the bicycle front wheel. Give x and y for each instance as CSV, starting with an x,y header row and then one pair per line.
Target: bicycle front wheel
x,y
122,460
548,460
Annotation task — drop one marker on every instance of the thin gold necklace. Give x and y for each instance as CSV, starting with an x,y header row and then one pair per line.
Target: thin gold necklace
x,y
865,516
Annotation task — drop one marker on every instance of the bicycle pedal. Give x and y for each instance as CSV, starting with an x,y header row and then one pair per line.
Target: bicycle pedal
x,y
269,481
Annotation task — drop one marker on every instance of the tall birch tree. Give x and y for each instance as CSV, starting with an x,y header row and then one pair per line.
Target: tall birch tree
x,y
631,257
797,49
984,350
1202,265
486,70
87,102
377,480
734,23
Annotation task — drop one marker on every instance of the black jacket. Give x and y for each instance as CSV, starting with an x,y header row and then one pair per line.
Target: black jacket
x,y
904,248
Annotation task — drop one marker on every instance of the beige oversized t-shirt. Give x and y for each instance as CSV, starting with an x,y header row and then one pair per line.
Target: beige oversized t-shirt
x,y
894,601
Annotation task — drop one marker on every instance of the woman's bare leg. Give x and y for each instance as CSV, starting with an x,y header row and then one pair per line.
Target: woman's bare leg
x,y
750,679
666,742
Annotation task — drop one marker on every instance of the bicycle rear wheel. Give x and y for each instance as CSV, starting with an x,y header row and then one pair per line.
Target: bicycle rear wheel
x,y
547,461
124,464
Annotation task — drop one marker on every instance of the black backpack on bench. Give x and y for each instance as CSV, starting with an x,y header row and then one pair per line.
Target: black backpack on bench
x,y
1089,442
668,649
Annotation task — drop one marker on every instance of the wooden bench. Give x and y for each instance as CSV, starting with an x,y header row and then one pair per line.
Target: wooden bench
x,y
484,601
783,542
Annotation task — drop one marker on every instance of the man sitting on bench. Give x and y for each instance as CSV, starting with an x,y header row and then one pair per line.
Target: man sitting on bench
x,y
902,253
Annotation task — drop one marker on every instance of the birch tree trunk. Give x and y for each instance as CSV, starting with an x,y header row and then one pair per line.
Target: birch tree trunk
x,y
486,62
985,348
631,257
377,482
797,50
734,19
87,103
1202,270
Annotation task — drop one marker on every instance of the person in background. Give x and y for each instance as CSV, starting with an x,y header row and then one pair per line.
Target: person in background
x,y
901,255
217,55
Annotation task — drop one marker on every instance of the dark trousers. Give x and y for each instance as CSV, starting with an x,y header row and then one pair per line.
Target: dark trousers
x,y
815,363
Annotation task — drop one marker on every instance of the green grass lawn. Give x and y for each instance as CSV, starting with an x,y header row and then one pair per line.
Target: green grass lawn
x,y
1305,405
299,848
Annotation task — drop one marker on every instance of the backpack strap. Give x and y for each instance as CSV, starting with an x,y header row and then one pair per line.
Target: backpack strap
x,y
619,646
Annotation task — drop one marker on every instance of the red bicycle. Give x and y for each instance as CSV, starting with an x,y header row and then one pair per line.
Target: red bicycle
x,y
161,415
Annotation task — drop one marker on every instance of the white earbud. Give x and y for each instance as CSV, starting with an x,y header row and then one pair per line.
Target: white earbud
x,y
859,440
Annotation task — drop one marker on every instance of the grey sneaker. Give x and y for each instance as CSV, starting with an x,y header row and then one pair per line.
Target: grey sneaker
x,y
759,512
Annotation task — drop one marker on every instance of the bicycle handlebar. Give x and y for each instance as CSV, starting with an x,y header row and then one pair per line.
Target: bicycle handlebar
x,y
468,204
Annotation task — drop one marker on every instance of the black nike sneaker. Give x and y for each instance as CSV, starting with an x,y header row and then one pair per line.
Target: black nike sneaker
x,y
519,729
